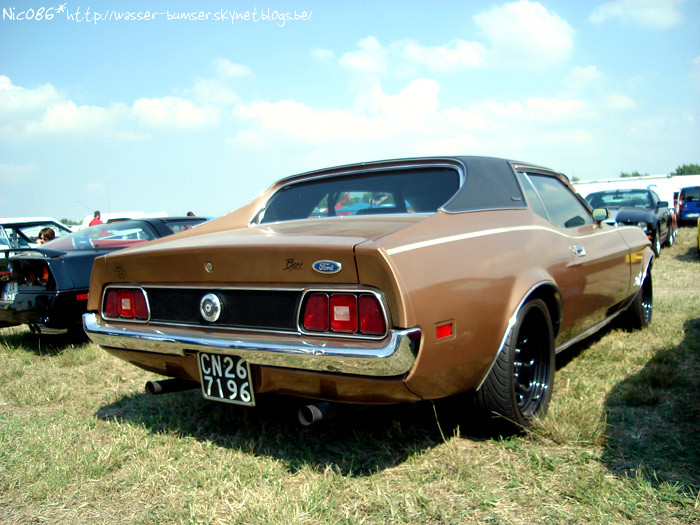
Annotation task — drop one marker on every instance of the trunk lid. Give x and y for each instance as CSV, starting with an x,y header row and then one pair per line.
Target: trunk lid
x,y
270,253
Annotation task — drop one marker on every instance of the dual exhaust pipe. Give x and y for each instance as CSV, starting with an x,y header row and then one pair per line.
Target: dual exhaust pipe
x,y
307,415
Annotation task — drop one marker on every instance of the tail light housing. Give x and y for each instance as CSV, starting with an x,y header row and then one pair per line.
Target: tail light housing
x,y
348,313
125,304
33,273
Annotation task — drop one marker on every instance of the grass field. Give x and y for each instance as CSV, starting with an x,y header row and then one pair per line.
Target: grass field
x,y
81,443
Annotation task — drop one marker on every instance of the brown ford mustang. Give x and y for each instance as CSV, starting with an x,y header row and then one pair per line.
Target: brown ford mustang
x,y
381,282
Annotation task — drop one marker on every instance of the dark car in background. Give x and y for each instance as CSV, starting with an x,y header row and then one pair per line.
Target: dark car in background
x,y
689,204
47,287
638,207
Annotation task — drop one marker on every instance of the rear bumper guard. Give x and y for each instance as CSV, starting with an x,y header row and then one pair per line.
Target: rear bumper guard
x,y
393,356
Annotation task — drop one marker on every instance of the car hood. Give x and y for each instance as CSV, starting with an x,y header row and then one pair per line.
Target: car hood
x,y
276,252
629,215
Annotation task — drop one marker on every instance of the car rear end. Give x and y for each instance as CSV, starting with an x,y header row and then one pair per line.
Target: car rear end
x,y
242,312
689,204
31,293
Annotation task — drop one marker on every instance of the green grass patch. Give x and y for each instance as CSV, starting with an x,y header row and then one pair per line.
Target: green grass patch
x,y
80,442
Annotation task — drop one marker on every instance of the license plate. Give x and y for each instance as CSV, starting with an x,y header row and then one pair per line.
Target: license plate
x,y
693,215
9,291
226,378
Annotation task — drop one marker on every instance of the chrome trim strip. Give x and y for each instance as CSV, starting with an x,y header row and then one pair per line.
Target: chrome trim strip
x,y
482,233
393,357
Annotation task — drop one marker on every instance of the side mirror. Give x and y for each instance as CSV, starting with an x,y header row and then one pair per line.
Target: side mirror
x,y
600,214
662,204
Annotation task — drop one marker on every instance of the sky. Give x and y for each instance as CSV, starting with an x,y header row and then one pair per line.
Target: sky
x,y
201,105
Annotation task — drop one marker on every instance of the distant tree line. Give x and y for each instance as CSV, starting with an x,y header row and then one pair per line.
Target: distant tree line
x,y
685,169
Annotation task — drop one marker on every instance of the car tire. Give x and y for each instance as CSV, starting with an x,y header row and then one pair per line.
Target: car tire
x,y
519,385
639,312
656,243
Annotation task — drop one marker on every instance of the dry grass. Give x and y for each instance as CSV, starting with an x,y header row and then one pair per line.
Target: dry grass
x,y
81,443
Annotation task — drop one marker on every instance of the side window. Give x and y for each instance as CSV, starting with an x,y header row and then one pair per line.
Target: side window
x,y
563,208
533,199
654,198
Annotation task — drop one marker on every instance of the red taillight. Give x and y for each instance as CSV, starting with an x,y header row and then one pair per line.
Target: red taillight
x,y
371,316
127,303
316,312
110,308
343,312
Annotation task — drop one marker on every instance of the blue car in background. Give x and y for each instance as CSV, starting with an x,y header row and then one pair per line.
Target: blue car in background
x,y
689,204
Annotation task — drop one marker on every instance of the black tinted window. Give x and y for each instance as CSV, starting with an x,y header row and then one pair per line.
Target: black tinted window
x,y
414,191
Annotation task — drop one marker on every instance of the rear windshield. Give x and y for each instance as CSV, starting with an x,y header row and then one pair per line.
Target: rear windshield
x,y
113,235
691,194
414,191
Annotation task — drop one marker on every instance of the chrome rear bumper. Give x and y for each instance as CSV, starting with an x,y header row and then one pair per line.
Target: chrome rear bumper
x,y
393,356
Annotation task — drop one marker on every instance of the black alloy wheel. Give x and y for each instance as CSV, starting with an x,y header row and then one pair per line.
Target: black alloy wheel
x,y
519,385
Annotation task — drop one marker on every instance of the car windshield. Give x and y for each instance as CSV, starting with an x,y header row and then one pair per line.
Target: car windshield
x,y
620,199
414,191
113,235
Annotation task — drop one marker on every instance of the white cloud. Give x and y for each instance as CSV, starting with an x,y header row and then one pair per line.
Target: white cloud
x,y
414,118
375,115
173,112
657,14
457,54
212,91
617,102
16,99
371,58
227,69
67,117
518,35
525,34
581,78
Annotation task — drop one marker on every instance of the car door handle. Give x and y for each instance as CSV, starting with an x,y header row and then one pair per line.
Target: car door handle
x,y
579,250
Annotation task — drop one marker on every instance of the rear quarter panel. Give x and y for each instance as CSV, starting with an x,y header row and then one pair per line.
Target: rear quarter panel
x,y
473,273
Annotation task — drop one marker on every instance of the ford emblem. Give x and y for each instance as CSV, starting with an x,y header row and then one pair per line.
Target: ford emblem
x,y
327,267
